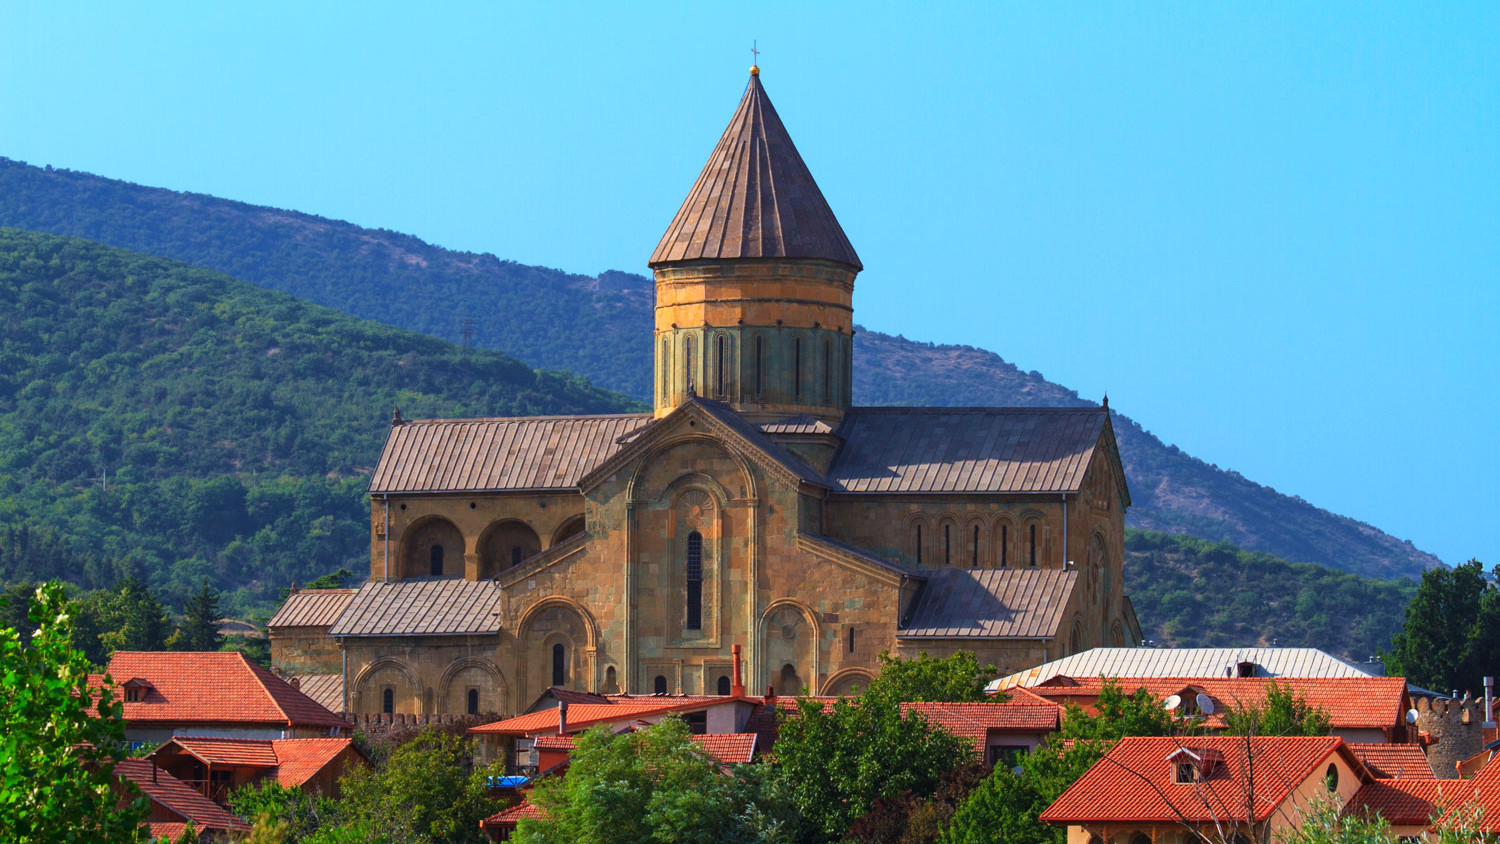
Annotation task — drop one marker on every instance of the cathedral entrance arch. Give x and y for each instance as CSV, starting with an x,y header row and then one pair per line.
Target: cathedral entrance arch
x,y
473,686
389,686
432,547
558,640
506,544
850,681
789,648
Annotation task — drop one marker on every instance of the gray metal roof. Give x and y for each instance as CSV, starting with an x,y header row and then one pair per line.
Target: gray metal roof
x,y
754,436
755,198
312,608
466,455
1186,662
425,607
326,689
990,603
956,450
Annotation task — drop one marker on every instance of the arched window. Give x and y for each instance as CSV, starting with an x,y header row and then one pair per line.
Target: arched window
x,y
388,700
827,370
1004,546
517,554
851,640
1033,544
659,685
724,687
721,368
666,370
435,560
559,665
1331,778
473,701
693,619
974,561
759,364
947,545
687,360
797,369
919,543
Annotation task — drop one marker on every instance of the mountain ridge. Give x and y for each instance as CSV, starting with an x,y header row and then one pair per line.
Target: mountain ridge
x,y
600,327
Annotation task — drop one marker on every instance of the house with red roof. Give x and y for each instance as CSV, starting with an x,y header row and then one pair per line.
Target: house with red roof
x,y
214,766
1000,732
175,804
1168,789
222,694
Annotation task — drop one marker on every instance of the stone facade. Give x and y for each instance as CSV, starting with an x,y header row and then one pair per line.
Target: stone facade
x,y
726,518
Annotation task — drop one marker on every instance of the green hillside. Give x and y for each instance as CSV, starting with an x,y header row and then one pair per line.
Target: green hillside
x,y
171,422
601,327
1191,593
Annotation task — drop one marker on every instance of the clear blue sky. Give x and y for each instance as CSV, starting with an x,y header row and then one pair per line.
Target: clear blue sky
x,y
1270,230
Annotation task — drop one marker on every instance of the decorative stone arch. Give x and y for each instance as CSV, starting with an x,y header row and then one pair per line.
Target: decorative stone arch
x,y
366,695
1003,541
590,625
695,504
725,370
949,540
453,697
634,493
432,542
504,544
919,538
664,368
547,623
848,682
1031,541
1117,634
1077,636
1101,575
975,544
777,649
569,529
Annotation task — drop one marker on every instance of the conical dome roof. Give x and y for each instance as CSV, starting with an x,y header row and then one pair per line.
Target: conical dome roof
x,y
755,198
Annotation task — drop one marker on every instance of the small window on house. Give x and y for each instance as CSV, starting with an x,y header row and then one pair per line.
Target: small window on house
x,y
473,707
516,555
1331,778
724,685
974,561
797,369
659,685
693,619
435,560
1245,669
1004,545
1184,772
697,722
559,665
947,545
388,700
851,640
1033,544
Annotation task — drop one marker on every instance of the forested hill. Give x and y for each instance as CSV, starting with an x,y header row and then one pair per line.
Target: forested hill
x,y
600,328
170,422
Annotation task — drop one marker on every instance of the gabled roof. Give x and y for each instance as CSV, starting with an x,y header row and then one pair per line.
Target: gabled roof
x,y
1134,783
1407,802
1023,450
974,721
299,760
508,818
470,455
1403,761
755,198
1186,662
581,716
189,687
177,797
729,748
311,608
422,607
1485,797
1363,703
293,761
990,604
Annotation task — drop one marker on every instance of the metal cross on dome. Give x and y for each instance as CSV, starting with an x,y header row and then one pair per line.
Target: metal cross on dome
x,y
755,60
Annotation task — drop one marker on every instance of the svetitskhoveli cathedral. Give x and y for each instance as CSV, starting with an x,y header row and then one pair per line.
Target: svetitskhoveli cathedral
x,y
755,506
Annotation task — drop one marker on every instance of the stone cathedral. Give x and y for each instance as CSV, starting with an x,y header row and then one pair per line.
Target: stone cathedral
x,y
754,507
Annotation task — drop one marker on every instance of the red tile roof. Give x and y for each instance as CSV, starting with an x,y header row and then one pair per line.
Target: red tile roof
x,y
1485,797
1404,802
177,796
1135,783
1406,761
249,753
299,760
1351,702
294,761
508,818
213,688
581,716
974,721
729,748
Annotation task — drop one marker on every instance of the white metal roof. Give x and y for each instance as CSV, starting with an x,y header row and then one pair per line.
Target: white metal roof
x,y
1185,662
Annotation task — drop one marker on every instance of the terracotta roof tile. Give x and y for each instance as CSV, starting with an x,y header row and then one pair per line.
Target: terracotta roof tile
x,y
1406,802
729,748
190,687
1403,761
581,716
990,603
253,753
177,796
755,198
1134,782
311,608
299,760
508,818
974,721
423,607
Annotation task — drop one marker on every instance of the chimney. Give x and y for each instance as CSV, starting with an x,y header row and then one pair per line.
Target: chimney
x,y
737,688
562,717
770,694
295,682
1489,732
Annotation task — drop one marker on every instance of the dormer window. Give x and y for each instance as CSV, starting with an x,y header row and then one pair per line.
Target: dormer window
x,y
1244,669
1189,766
136,690
1184,772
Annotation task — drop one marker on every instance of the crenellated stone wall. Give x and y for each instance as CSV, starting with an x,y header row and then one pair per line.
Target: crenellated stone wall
x,y
1458,727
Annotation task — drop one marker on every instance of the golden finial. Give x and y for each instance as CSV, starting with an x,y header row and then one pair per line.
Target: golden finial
x,y
755,61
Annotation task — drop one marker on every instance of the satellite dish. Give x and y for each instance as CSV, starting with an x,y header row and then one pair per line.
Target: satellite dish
x,y
1172,702
1411,716
1205,704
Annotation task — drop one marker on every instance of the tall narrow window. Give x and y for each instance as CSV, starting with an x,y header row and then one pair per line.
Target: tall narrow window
x,y
721,370
660,684
827,371
724,685
388,701
919,544
559,665
694,616
1033,544
797,369
435,560
666,370
473,701
947,545
759,362
687,361
851,640
1004,546
975,561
